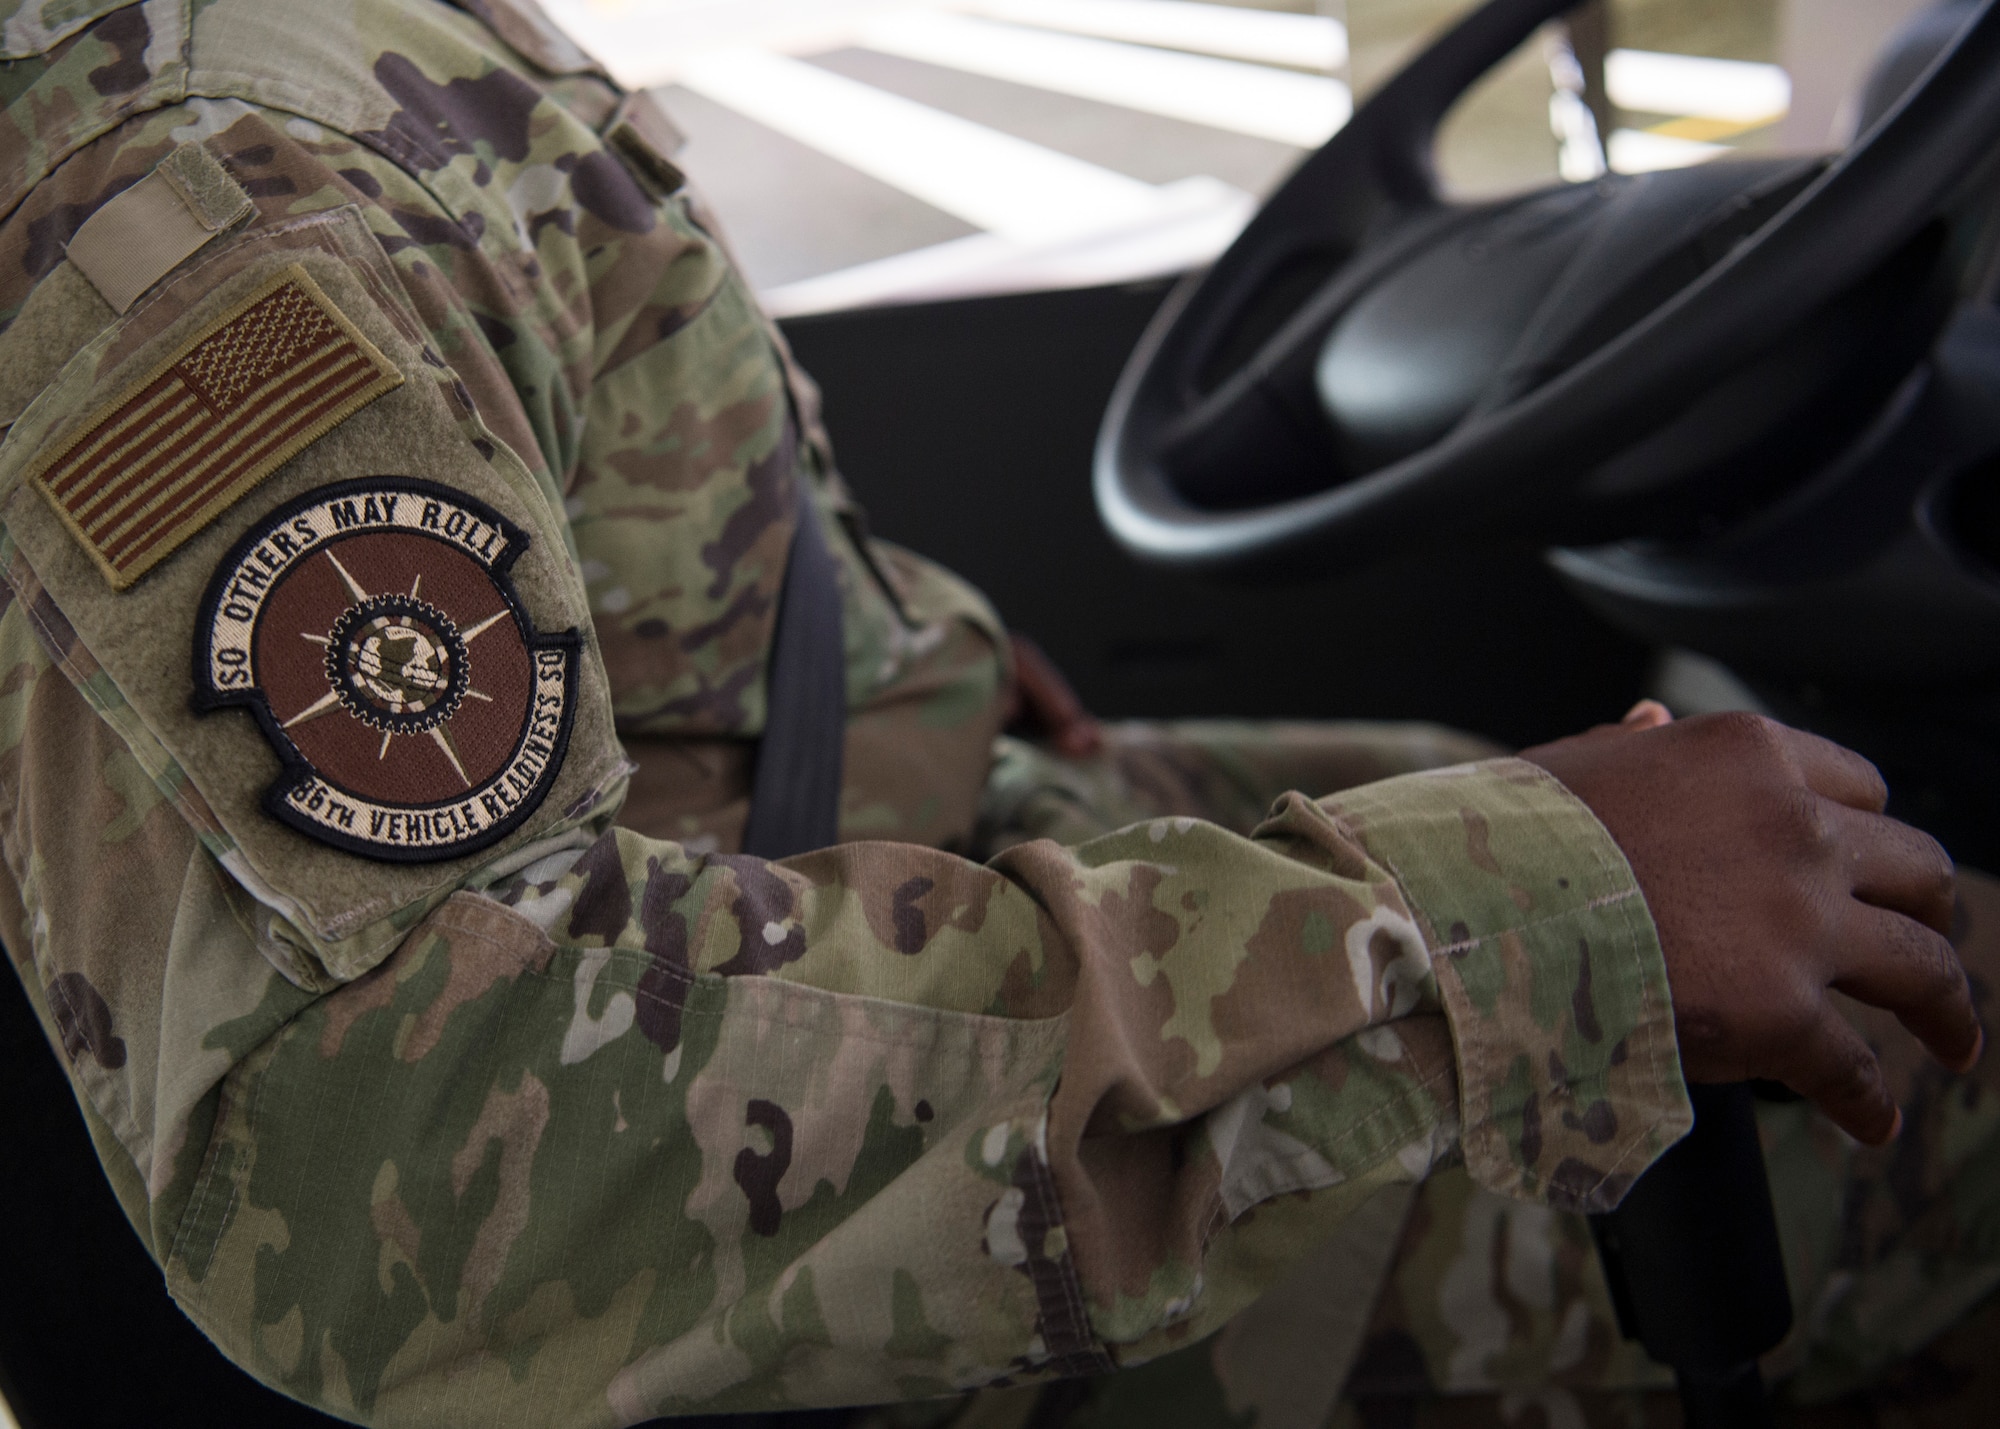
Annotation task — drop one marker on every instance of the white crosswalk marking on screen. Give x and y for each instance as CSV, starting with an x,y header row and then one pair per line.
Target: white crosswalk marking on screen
x,y
1298,109
1639,151
1196,218
1046,218
1272,37
819,73
1696,86
1007,186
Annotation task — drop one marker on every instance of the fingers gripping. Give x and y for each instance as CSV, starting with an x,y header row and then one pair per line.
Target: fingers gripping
x,y
1903,966
1833,1067
1834,772
1896,867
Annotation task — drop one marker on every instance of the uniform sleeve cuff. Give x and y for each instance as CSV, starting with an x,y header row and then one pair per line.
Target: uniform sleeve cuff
x,y
1550,971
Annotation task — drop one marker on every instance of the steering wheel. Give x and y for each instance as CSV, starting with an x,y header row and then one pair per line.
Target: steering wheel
x,y
1370,362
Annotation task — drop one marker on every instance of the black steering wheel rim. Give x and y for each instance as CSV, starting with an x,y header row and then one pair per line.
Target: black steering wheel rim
x,y
1376,175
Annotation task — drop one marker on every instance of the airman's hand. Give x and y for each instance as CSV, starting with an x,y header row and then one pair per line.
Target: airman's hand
x,y
1772,875
1042,705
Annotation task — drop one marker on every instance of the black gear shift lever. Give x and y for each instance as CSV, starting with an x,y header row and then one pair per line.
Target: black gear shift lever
x,y
1693,1264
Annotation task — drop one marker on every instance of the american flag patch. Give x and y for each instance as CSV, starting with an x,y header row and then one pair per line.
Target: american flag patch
x,y
175,450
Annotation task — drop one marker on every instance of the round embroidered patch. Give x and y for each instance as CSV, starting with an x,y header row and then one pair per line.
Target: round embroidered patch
x,y
371,628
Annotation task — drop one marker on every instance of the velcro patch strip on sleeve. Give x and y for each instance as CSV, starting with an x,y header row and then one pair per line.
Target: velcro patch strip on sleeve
x,y
184,443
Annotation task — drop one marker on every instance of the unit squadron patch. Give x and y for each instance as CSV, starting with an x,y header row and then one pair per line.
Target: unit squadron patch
x,y
372,629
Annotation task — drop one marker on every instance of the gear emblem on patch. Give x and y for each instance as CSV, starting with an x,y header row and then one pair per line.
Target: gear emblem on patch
x,y
371,628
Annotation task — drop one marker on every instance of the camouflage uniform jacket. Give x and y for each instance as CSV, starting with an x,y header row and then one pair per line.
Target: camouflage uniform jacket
x,y
576,1125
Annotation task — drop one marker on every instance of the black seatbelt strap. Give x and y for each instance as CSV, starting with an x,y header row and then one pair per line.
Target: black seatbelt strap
x,y
795,790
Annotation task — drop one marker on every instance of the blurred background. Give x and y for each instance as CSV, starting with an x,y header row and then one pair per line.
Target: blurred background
x,y
877,151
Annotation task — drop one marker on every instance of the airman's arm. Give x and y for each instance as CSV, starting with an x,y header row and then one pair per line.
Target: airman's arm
x,y
663,1131
586,1126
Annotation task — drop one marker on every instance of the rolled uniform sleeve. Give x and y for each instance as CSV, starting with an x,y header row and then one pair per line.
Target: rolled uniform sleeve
x,y
1474,953
1549,969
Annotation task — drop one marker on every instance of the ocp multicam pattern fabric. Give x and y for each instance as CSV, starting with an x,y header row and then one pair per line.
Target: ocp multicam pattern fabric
x,y
646,1127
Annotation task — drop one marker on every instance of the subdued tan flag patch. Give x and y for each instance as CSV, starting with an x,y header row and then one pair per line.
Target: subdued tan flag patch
x,y
181,445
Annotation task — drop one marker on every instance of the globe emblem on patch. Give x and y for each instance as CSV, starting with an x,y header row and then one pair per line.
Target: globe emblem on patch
x,y
398,663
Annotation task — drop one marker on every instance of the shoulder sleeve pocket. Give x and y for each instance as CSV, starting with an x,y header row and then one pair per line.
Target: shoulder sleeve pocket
x,y
285,556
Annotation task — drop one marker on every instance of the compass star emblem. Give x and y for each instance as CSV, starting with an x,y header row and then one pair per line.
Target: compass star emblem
x,y
398,664
372,628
